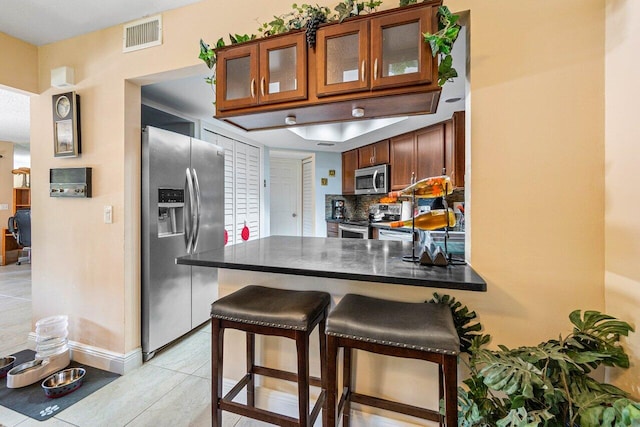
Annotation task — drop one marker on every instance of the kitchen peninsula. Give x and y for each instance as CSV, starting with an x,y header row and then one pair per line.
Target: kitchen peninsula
x,y
339,267
347,259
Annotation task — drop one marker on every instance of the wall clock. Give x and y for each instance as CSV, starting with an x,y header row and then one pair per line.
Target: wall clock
x,y
66,125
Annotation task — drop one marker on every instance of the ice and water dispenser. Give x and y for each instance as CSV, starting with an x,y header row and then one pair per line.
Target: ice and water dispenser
x,y
170,211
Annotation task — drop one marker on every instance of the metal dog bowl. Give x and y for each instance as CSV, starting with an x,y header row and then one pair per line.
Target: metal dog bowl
x,y
63,382
6,363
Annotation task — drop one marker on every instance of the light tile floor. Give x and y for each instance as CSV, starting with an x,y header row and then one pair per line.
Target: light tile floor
x,y
172,389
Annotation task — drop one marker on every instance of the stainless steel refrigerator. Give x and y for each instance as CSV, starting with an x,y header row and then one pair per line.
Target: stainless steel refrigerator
x,y
182,213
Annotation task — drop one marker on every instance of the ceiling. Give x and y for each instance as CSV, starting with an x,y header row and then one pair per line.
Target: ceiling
x,y
190,97
41,22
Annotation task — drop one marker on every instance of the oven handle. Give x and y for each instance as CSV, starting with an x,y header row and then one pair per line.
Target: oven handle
x,y
355,229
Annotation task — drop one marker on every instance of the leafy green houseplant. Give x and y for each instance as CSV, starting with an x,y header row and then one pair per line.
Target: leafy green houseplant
x,y
547,384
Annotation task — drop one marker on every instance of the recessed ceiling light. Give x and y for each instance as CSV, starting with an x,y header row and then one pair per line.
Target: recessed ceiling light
x,y
344,131
452,100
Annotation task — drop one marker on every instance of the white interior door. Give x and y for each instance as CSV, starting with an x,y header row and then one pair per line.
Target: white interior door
x,y
286,205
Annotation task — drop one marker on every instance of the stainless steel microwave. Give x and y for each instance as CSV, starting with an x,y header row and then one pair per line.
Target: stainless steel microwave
x,y
373,180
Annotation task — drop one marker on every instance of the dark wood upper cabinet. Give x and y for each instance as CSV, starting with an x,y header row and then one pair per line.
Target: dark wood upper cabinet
x,y
435,150
454,149
236,75
402,150
283,68
429,155
349,166
270,71
373,154
342,53
377,62
376,53
399,56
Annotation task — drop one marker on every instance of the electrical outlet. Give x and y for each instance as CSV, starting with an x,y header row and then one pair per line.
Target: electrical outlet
x,y
108,214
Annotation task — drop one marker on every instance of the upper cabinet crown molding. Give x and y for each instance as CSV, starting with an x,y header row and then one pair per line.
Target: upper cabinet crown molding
x,y
377,62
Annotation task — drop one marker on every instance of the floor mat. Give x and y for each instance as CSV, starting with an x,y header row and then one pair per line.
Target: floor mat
x,y
32,402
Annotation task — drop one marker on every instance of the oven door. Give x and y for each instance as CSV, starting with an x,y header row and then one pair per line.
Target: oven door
x,y
347,231
405,236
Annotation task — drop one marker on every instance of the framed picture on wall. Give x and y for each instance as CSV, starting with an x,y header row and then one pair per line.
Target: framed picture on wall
x,y
66,125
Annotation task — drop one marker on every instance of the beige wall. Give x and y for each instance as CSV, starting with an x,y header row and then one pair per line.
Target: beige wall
x,y
19,65
622,193
85,268
536,199
536,173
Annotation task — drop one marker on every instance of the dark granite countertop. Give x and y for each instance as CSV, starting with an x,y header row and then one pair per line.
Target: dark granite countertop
x,y
350,259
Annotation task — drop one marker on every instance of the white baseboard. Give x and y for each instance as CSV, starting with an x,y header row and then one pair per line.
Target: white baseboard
x,y
287,404
100,358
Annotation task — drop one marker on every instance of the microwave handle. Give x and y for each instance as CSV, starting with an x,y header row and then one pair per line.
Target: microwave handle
x,y
375,175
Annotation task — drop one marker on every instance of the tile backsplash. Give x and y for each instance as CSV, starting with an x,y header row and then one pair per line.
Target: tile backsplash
x,y
357,207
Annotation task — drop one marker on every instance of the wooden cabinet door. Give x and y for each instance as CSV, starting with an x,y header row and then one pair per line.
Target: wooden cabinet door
x,y
399,55
349,166
430,152
332,229
342,53
374,154
402,150
454,148
283,69
236,75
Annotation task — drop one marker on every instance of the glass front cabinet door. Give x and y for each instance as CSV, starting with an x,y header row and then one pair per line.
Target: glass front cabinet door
x,y
342,58
283,69
398,53
259,73
236,74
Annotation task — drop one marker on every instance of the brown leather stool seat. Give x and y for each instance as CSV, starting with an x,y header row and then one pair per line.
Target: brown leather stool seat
x,y
411,330
268,311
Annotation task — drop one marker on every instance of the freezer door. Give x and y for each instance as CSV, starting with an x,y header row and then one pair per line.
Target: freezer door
x,y
166,287
207,166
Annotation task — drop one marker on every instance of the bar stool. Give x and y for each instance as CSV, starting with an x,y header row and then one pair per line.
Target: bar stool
x,y
410,330
267,311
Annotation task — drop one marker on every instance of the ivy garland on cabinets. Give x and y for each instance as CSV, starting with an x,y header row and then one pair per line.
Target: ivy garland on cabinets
x,y
309,18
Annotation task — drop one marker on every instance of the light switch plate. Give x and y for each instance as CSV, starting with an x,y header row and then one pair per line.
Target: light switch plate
x,y
108,214
4,207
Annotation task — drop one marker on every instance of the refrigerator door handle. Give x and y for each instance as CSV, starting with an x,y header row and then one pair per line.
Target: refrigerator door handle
x,y
196,228
188,218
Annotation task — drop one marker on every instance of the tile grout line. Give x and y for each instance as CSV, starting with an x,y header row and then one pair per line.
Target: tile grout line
x,y
159,398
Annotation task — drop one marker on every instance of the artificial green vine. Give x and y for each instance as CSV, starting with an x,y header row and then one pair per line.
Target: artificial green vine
x,y
442,43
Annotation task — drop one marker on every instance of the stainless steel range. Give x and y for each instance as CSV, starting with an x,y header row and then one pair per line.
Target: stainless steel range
x,y
354,229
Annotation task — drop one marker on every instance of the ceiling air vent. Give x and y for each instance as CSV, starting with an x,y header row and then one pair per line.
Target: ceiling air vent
x,y
142,34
